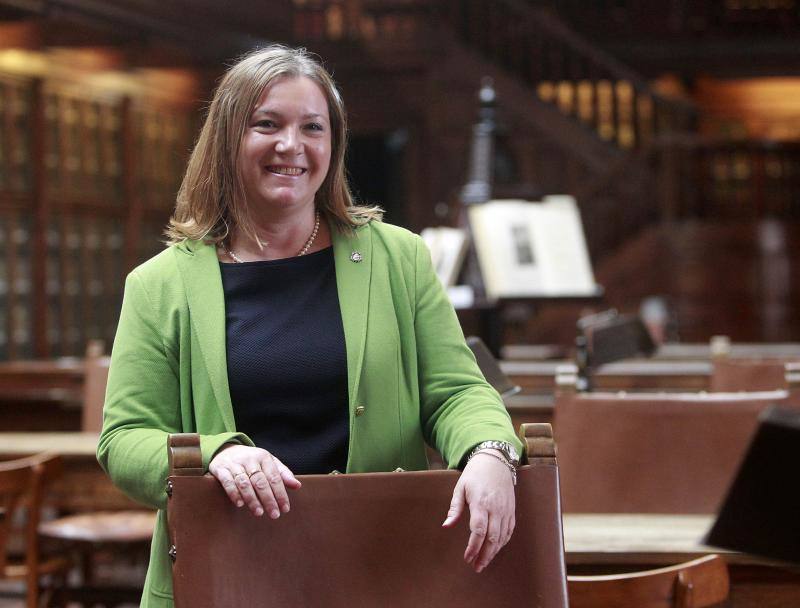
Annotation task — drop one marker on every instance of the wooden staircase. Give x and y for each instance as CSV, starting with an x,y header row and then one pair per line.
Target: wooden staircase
x,y
589,123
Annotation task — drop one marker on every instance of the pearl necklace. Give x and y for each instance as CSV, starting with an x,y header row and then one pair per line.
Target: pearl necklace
x,y
303,251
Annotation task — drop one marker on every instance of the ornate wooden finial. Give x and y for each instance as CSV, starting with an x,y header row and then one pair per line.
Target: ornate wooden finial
x,y
537,437
185,457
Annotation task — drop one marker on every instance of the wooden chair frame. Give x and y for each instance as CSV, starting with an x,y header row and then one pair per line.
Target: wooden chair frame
x,y
695,584
22,484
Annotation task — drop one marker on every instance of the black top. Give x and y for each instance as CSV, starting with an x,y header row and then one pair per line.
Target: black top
x,y
287,363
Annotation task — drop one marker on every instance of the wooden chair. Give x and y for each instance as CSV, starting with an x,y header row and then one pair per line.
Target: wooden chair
x,y
22,484
653,453
124,533
370,539
696,584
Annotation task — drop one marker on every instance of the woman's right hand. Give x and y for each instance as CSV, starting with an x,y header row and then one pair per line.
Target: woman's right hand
x,y
254,477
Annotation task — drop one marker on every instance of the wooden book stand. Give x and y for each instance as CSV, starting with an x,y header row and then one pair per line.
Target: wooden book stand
x,y
370,539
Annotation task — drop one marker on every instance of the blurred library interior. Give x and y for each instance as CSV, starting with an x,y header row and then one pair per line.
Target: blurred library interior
x,y
669,129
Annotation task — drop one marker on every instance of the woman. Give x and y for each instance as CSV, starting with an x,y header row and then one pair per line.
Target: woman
x,y
293,330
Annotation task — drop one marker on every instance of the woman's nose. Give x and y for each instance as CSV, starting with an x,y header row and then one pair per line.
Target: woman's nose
x,y
288,141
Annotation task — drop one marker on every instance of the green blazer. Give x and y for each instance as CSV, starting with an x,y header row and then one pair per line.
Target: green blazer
x,y
411,377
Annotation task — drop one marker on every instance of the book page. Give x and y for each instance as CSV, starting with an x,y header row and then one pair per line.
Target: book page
x,y
532,249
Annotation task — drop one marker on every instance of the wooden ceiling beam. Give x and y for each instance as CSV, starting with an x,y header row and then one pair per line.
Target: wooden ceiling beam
x,y
206,31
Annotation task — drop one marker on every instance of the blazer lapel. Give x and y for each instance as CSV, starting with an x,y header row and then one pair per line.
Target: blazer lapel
x,y
353,260
203,283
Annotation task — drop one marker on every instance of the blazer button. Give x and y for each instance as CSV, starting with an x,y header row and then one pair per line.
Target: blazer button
x,y
360,410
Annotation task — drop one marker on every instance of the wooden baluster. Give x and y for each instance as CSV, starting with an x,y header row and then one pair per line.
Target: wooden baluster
x,y
614,110
635,130
595,112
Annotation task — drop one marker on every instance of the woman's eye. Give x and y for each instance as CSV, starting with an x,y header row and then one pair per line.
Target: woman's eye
x,y
265,124
314,126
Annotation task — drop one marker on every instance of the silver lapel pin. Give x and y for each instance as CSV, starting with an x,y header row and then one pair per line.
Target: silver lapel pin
x,y
356,257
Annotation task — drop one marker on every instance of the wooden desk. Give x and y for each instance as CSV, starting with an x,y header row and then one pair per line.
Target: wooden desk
x,y
598,544
741,350
84,486
667,351
632,374
537,379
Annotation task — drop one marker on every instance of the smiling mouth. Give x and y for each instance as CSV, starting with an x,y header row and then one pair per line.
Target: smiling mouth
x,y
293,171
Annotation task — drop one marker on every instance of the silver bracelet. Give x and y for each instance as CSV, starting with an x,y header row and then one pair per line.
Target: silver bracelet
x,y
509,466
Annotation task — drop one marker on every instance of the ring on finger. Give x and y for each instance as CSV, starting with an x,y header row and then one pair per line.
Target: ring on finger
x,y
250,475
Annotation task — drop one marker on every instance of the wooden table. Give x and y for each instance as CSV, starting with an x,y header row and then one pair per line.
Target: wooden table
x,y
84,486
601,544
632,374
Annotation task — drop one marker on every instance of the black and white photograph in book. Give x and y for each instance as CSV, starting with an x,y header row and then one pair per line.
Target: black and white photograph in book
x,y
532,249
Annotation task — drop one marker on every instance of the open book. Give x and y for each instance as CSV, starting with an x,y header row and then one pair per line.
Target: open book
x,y
532,249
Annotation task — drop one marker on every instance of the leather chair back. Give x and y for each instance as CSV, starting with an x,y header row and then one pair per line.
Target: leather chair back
x,y
653,453
370,539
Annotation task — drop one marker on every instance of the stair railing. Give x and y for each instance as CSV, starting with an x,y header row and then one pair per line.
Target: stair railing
x,y
567,70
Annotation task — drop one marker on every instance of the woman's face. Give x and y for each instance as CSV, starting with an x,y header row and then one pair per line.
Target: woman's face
x,y
286,148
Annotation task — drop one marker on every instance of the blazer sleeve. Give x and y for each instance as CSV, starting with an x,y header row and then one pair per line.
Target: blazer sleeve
x,y
143,402
458,408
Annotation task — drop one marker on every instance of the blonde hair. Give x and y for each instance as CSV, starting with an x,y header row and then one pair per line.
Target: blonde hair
x,y
211,200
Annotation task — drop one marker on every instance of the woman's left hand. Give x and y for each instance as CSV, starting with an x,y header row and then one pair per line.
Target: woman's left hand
x,y
487,488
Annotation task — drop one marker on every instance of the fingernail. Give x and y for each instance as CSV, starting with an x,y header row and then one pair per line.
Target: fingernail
x,y
274,514
285,508
259,512
239,503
